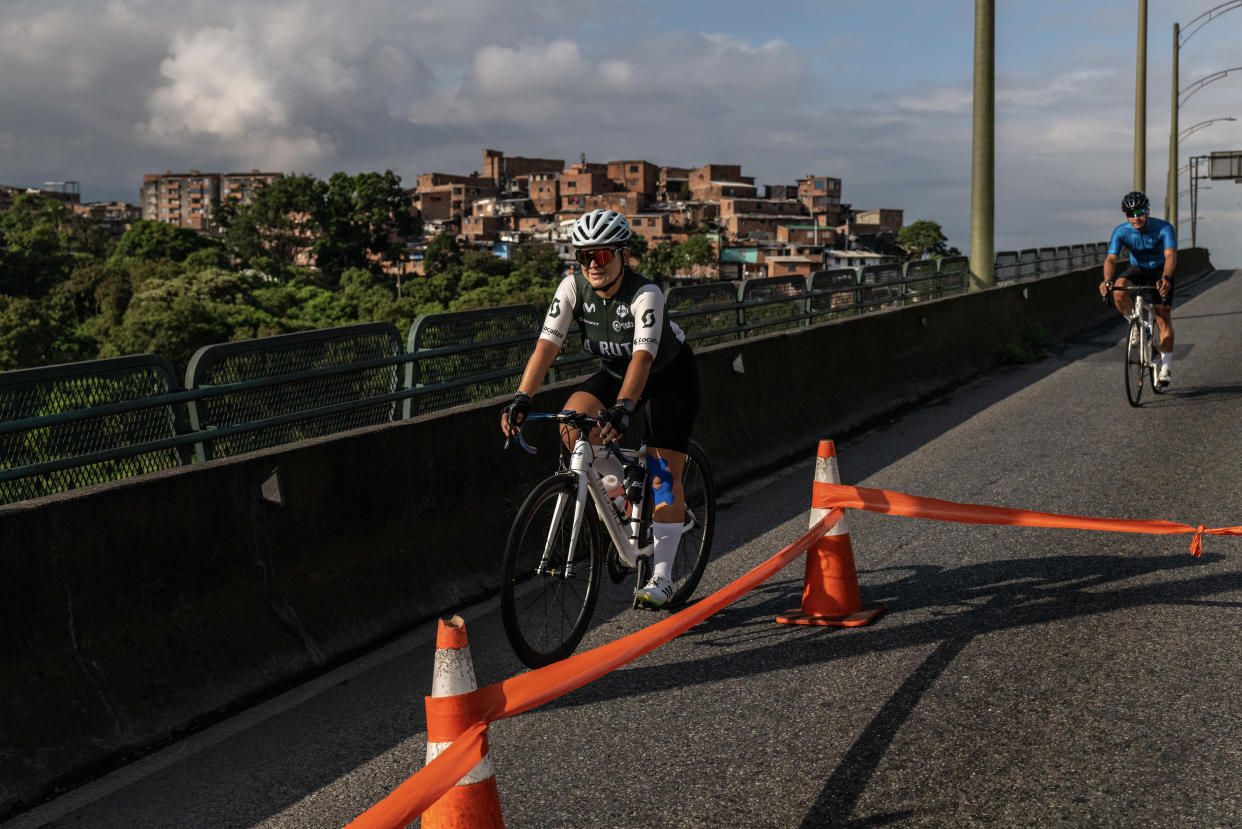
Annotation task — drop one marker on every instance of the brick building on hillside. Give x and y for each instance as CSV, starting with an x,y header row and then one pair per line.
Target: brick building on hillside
x,y
635,177
441,196
581,180
713,182
673,184
506,171
821,196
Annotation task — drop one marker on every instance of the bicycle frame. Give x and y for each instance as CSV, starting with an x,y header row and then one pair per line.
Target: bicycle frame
x,y
591,488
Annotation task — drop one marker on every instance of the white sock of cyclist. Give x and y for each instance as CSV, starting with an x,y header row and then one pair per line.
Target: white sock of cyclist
x,y
666,538
1166,360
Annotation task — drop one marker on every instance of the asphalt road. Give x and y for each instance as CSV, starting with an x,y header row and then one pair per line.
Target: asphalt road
x,y
1020,676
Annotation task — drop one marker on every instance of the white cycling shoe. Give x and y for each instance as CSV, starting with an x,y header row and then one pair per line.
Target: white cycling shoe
x,y
1162,379
656,593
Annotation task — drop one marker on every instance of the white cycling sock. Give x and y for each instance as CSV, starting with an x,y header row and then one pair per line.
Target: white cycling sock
x,y
666,538
1166,360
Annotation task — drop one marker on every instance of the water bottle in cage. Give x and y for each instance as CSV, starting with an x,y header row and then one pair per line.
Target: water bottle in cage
x,y
615,490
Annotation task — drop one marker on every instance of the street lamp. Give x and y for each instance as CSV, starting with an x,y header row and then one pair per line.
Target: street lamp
x,y
1186,133
1170,193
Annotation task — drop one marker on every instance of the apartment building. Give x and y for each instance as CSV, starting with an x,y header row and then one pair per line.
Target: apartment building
x,y
882,220
505,170
442,197
759,218
821,196
713,182
483,228
184,199
651,226
635,177
673,184
780,191
544,190
623,202
581,180
800,266
806,234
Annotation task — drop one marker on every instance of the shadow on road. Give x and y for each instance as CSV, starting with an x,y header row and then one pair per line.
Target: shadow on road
x,y
956,604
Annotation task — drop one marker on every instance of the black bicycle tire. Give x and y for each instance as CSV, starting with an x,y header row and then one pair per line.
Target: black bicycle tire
x,y
1135,368
533,654
689,565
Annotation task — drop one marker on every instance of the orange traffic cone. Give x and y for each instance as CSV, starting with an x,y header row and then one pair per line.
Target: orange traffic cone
x,y
474,801
830,587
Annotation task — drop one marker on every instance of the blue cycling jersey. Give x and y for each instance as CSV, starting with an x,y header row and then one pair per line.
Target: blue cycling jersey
x,y
1147,245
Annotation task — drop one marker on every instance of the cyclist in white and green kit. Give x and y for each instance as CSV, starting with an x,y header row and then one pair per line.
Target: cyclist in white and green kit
x,y
644,361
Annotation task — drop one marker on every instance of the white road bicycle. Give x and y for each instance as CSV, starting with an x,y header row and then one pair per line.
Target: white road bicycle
x,y
1142,350
555,553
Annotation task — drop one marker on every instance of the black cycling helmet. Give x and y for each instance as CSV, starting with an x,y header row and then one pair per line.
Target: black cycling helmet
x,y
1134,200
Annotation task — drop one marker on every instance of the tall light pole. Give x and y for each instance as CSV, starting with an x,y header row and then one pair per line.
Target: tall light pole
x,y
983,151
1140,102
1170,193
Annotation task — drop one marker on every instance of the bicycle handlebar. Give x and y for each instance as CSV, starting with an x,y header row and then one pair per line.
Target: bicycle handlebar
x,y
578,420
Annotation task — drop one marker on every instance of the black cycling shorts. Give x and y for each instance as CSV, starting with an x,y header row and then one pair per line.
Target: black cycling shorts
x,y
1148,276
670,402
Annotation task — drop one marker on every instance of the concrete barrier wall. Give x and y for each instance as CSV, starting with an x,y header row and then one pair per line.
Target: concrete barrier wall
x,y
137,610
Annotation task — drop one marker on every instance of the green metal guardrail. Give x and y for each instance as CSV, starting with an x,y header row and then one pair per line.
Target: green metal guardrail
x,y
63,427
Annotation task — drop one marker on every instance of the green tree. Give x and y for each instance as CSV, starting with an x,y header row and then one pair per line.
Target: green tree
x,y
924,239
442,254
638,246
282,221
34,255
37,332
175,317
697,250
660,262
150,240
366,220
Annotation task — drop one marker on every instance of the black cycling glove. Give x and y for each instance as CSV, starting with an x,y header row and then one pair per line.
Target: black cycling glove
x,y
518,408
618,416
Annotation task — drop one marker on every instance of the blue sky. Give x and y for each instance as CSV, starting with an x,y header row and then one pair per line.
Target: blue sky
x,y
876,93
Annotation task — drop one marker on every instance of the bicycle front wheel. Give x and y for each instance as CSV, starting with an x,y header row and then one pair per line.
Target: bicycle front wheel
x,y
549,589
700,523
1136,366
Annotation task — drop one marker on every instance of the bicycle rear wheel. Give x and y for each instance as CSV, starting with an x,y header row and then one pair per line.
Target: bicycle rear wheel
x,y
547,595
1136,366
696,540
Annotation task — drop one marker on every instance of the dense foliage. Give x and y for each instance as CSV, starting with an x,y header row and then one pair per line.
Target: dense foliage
x,y
924,239
68,292
304,254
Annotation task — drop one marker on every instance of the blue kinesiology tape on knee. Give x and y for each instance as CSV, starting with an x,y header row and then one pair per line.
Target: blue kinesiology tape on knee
x,y
661,480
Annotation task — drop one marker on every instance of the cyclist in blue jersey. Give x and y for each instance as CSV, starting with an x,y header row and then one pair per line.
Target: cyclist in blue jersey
x,y
644,361
1153,258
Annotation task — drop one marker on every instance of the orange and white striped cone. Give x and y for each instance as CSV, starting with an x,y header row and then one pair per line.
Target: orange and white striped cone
x,y
830,588
474,801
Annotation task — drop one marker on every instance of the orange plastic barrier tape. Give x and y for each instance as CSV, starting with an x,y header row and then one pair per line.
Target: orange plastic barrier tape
x,y
415,795
827,496
446,715
530,690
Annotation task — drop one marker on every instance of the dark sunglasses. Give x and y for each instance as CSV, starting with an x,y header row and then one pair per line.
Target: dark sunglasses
x,y
600,256
1134,214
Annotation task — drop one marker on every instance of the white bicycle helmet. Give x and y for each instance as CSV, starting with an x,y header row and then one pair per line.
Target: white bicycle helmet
x,y
600,228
